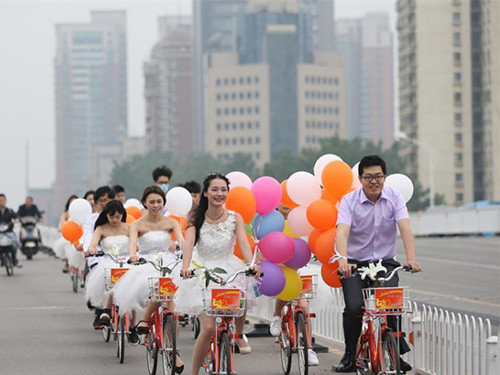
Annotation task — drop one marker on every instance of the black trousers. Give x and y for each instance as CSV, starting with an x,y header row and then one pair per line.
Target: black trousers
x,y
353,297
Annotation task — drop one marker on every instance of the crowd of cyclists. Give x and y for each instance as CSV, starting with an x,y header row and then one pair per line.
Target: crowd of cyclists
x,y
366,233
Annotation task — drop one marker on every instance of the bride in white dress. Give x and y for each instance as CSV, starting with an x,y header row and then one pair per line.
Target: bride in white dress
x,y
214,231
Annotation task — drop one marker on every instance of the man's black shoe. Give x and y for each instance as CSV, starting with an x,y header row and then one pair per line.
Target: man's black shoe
x,y
404,366
347,364
97,323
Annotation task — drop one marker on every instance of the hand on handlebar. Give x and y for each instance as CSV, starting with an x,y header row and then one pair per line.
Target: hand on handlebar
x,y
256,270
413,265
345,269
133,258
186,273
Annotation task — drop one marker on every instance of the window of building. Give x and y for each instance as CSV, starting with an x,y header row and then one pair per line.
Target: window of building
x,y
226,126
218,142
234,111
249,95
242,110
457,58
257,110
241,95
458,137
226,81
257,140
459,177
233,96
226,141
257,154
249,110
249,125
456,18
457,78
458,98
233,81
458,118
256,79
242,125
257,95
249,80
241,80
234,126
457,39
234,141
257,124
242,140
249,140
217,111
218,126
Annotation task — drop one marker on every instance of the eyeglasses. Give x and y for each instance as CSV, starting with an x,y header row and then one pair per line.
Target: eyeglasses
x,y
370,178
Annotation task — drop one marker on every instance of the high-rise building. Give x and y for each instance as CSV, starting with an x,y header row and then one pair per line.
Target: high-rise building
x,y
169,94
367,50
449,73
91,94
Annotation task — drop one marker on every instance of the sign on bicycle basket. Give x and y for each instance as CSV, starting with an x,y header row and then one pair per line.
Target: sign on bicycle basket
x,y
226,298
166,286
389,298
307,284
116,274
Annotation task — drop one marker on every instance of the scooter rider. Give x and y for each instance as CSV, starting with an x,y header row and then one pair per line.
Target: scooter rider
x,y
29,209
7,216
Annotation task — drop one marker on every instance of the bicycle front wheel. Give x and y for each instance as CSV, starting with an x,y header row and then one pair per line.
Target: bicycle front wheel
x,y
169,350
151,350
225,354
121,338
9,265
389,362
302,344
285,348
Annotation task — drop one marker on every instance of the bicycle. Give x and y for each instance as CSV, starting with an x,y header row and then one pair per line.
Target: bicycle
x,y
295,336
378,349
162,326
6,250
76,276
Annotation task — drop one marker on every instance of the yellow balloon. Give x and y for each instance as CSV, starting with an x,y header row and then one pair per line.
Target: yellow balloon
x,y
288,231
293,285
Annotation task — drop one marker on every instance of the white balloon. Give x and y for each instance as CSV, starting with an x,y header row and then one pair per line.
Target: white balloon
x,y
322,162
133,202
401,183
298,223
303,188
239,179
80,210
355,177
179,201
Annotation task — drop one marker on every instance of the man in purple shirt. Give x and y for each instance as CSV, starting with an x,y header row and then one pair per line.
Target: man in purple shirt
x,y
366,233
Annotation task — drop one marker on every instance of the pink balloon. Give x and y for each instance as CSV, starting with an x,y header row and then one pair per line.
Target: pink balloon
x,y
298,223
303,188
267,192
277,247
239,179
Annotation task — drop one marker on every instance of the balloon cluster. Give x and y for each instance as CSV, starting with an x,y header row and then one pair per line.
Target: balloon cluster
x,y
79,211
282,250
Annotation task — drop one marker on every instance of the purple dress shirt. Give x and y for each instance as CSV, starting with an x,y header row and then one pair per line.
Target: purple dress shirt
x,y
373,227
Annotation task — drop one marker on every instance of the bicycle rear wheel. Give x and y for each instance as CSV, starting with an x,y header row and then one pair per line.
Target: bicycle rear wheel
x,y
121,338
151,351
196,327
106,333
225,354
389,362
169,345
75,280
302,344
285,348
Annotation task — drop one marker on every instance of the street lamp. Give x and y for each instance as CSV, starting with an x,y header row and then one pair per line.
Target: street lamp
x,y
430,150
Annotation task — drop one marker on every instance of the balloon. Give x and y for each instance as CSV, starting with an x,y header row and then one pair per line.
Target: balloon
x,y
285,199
238,179
237,249
313,236
297,221
241,200
301,255
401,183
134,211
322,162
290,232
277,247
355,176
293,285
265,224
130,219
273,281
303,188
71,231
179,201
324,246
80,210
330,275
322,214
267,192
133,202
76,244
337,178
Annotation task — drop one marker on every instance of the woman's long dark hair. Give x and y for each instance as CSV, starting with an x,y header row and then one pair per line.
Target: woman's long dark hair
x,y
111,208
68,202
199,215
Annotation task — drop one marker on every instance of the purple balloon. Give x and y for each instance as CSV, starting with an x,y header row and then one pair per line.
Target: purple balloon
x,y
277,247
274,280
267,192
301,256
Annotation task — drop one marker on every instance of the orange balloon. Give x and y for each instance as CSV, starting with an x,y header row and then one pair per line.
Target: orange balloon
x,y
329,197
337,178
330,275
324,246
285,198
242,200
134,211
183,224
313,236
76,244
130,219
71,231
322,214
237,249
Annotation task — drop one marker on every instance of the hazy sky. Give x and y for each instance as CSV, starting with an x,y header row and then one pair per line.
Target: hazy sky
x,y
27,49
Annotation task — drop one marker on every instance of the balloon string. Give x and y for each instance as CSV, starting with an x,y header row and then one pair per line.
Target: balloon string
x,y
255,231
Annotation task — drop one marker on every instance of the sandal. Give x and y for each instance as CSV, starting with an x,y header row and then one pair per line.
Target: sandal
x,y
142,330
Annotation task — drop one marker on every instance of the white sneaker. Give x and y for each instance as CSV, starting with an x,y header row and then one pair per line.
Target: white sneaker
x,y
312,358
275,326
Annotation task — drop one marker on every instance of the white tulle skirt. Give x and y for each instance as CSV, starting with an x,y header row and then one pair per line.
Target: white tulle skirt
x,y
95,285
75,258
60,248
131,293
189,296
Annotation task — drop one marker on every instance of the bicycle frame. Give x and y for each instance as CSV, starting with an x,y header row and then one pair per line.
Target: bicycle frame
x,y
372,335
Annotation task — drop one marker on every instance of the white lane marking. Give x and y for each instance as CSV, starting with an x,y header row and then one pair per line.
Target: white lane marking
x,y
35,308
459,263
449,296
